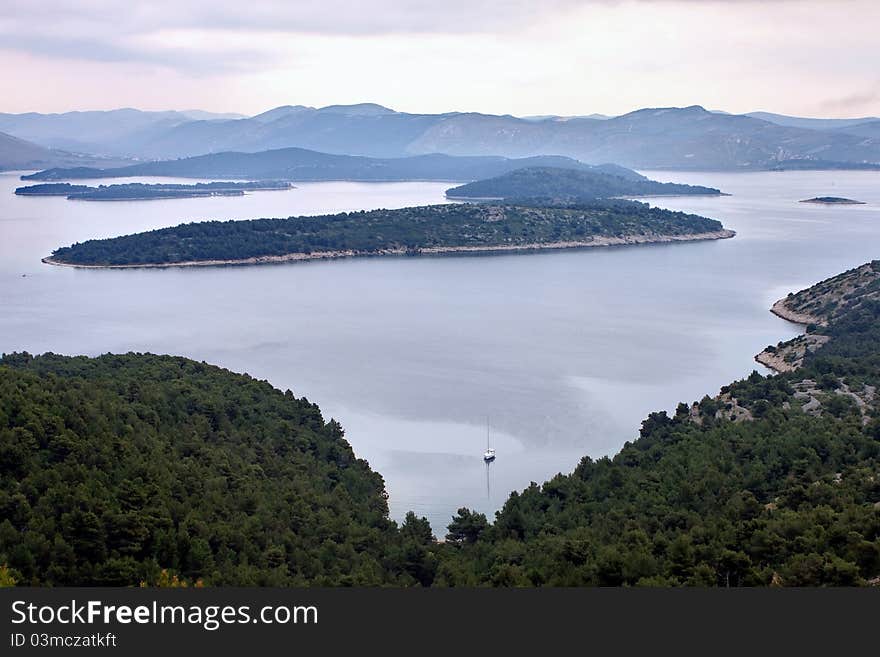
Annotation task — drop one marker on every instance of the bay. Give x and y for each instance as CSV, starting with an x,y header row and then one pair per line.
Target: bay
x,y
564,353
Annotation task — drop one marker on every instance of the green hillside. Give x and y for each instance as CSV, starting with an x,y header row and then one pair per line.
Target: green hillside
x,y
114,468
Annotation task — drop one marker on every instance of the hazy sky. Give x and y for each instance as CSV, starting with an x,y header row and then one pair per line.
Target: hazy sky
x,y
518,57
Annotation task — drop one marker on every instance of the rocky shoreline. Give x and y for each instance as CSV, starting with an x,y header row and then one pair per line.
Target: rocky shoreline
x,y
434,250
788,357
780,309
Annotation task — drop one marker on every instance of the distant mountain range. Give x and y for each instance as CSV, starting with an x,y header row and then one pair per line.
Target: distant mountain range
x,y
115,132
18,153
655,138
299,164
812,124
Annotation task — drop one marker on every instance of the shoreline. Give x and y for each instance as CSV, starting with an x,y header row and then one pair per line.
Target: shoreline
x,y
780,309
433,250
775,361
624,197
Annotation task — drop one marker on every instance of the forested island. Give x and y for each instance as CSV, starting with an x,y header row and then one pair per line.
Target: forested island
x,y
146,192
833,200
434,229
566,185
139,468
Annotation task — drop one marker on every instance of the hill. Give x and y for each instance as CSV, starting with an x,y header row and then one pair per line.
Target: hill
x,y
119,132
449,228
677,138
115,468
689,137
567,185
810,123
867,129
17,153
656,138
303,165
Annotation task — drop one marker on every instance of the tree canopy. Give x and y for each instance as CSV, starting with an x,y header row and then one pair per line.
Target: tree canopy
x,y
115,468
378,231
156,469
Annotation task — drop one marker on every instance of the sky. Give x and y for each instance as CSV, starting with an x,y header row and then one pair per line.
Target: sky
x,y
568,57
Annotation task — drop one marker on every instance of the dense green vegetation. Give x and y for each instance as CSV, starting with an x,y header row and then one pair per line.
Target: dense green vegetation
x,y
52,189
568,185
775,481
141,191
828,300
406,229
114,468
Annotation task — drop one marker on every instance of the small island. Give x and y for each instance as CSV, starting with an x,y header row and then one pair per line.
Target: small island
x,y
566,185
149,192
434,229
832,200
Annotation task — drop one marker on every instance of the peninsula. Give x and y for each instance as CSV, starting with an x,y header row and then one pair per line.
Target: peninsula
x,y
434,229
817,307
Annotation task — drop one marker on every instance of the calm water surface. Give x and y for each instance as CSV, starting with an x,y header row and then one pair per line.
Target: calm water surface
x,y
564,352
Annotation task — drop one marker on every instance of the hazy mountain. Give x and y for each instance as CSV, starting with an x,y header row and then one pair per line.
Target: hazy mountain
x,y
869,129
116,132
812,124
364,129
558,117
304,165
671,137
18,153
686,138
202,115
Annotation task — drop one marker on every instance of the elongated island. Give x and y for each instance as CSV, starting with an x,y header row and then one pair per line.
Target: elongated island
x,y
434,229
146,192
833,200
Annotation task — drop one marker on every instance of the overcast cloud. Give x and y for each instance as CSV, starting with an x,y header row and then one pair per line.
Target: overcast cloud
x,y
554,56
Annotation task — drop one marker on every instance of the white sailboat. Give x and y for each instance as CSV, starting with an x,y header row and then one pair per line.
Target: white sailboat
x,y
489,454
